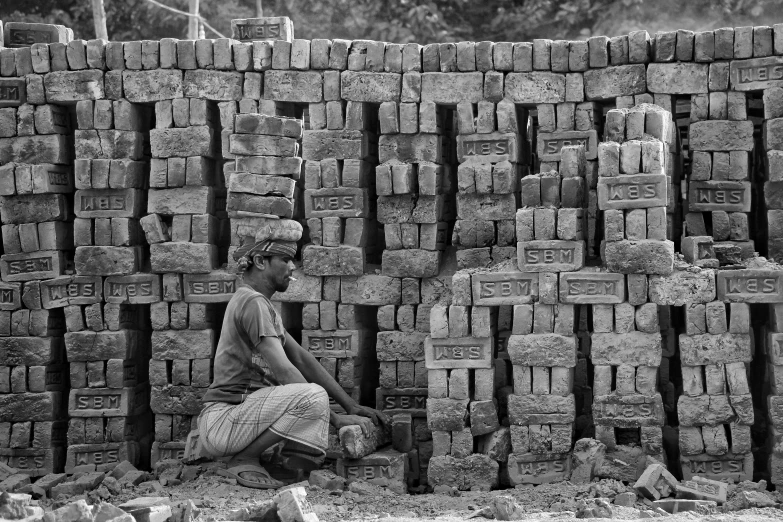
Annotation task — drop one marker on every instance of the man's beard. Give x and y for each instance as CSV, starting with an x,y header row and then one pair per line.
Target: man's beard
x,y
283,286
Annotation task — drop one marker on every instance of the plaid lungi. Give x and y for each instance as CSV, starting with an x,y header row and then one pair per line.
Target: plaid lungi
x,y
297,412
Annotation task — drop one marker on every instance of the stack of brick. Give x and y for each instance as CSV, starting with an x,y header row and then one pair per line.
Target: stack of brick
x,y
584,289
773,172
107,344
626,340
462,411
493,155
715,409
339,190
340,150
182,230
403,325
633,189
719,188
564,125
183,340
652,128
415,187
640,123
413,182
110,176
773,146
774,405
402,394
36,185
181,227
550,228
504,289
37,181
542,409
34,380
108,349
266,168
341,336
627,407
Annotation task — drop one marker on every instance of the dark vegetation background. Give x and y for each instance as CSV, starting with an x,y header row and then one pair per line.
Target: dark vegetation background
x,y
403,21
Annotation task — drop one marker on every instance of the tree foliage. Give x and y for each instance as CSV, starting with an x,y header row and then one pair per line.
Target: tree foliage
x,y
402,21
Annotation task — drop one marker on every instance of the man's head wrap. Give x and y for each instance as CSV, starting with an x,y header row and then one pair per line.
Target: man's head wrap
x,y
250,247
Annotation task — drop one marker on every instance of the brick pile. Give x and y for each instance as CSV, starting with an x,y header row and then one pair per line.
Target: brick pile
x,y
715,409
719,187
774,399
492,152
107,343
35,206
462,410
187,237
416,174
773,146
627,348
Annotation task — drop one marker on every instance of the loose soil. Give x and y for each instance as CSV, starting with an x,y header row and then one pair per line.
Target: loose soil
x,y
217,497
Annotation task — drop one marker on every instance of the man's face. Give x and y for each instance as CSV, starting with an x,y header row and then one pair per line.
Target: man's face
x,y
278,271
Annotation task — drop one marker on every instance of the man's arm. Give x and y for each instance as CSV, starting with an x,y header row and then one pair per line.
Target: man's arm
x,y
314,372
288,373
282,368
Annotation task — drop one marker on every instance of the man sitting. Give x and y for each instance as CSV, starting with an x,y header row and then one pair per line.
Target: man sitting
x,y
266,387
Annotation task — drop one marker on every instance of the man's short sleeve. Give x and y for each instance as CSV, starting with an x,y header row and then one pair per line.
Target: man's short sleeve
x,y
260,320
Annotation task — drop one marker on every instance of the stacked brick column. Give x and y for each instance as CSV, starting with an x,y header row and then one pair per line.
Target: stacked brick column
x,y
411,182
716,405
542,409
182,229
339,151
37,243
340,210
627,348
106,341
719,188
461,406
492,153
774,404
571,124
110,179
414,183
773,146
108,351
550,230
773,172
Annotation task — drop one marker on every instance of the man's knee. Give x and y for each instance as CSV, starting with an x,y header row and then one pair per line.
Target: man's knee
x,y
317,397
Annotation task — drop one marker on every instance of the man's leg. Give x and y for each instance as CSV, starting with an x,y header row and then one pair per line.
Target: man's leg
x,y
268,416
253,452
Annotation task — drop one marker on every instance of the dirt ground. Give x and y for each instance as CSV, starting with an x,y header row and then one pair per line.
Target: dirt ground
x,y
217,497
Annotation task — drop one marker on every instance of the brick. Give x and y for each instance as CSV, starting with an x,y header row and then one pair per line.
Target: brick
x,y
614,81
540,409
535,87
457,353
530,468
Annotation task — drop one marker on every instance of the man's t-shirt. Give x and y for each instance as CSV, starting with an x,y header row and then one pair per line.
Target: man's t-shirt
x,y
240,367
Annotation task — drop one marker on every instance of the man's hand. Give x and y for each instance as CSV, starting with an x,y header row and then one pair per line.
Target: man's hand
x,y
354,420
371,413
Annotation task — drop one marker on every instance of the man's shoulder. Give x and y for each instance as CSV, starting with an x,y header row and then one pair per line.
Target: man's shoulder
x,y
245,296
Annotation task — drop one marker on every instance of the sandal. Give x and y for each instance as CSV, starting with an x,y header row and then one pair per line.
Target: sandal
x,y
265,482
